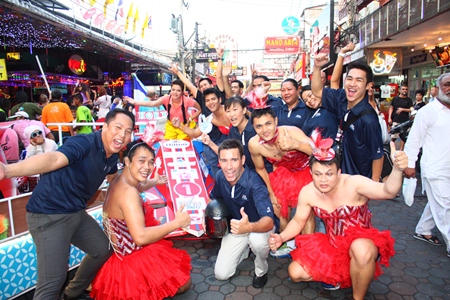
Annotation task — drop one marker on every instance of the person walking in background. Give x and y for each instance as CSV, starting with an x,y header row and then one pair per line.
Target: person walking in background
x,y
401,107
430,123
56,214
57,112
83,115
103,101
23,105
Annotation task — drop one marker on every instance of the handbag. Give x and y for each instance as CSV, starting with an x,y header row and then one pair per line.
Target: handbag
x,y
385,136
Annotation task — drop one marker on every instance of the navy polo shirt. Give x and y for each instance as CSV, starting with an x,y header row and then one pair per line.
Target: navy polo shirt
x,y
293,117
67,190
362,142
247,134
250,192
322,119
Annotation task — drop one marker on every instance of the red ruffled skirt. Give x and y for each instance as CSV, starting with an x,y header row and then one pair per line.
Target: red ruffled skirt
x,y
330,264
286,186
156,271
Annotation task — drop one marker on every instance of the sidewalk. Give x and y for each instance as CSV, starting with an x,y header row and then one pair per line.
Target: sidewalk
x,y
418,270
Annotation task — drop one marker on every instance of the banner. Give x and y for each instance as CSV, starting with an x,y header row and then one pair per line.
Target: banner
x,y
144,113
3,73
282,45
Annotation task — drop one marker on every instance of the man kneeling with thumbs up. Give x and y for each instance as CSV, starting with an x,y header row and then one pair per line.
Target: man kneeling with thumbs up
x,y
253,220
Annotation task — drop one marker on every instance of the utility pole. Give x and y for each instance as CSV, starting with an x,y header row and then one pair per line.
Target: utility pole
x,y
194,53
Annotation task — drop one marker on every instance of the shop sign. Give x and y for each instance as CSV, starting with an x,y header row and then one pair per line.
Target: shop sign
x,y
385,61
3,73
239,71
416,59
282,45
290,25
77,64
208,55
13,56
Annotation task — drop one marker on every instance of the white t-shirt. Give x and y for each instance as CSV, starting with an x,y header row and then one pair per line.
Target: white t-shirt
x,y
103,103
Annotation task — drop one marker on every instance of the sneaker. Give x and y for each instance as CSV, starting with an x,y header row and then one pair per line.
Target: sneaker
x,y
282,252
259,282
330,287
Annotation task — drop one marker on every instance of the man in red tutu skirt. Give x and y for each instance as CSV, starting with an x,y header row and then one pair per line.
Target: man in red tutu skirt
x,y
351,251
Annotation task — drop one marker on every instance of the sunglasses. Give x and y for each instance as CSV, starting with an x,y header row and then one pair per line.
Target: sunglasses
x,y
36,133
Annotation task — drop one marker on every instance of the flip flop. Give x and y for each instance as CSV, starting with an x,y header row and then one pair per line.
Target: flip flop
x,y
433,240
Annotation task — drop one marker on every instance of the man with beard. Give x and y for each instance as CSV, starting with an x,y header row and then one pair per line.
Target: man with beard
x,y
399,111
428,131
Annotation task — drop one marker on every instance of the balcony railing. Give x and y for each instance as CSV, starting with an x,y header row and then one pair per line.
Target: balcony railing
x,y
396,16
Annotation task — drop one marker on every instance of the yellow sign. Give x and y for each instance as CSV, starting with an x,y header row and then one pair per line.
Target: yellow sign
x,y
13,56
3,73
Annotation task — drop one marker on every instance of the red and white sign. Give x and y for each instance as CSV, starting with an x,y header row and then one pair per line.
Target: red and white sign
x,y
282,45
179,161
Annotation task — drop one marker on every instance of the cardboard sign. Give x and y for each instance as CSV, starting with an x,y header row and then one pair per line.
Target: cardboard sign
x,y
180,162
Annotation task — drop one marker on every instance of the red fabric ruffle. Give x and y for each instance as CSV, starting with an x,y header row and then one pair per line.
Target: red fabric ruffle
x,y
330,264
286,186
156,271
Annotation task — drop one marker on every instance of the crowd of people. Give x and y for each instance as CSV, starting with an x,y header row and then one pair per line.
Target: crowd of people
x,y
278,166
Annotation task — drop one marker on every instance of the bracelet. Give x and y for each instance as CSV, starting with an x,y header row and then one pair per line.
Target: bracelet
x,y
343,55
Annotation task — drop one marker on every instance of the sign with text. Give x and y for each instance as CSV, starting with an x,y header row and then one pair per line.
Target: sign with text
x,y
13,56
3,73
386,61
208,55
290,25
282,45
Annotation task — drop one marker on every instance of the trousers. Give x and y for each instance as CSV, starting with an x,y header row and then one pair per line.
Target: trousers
x,y
437,210
235,248
53,235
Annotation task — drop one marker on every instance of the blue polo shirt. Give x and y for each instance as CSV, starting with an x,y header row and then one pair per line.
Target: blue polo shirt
x,y
323,119
244,138
362,142
291,117
249,192
67,190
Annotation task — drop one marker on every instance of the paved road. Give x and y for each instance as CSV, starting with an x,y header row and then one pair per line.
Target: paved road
x,y
418,270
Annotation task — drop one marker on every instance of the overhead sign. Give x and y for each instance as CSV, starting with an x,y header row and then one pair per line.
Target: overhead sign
x,y
290,25
13,56
208,55
77,64
387,61
3,73
239,71
282,45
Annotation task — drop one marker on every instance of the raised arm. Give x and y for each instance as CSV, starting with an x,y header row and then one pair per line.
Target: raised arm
x,y
316,82
157,102
191,132
337,72
189,85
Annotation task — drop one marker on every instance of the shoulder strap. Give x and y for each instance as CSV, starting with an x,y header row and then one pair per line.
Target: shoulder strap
x,y
357,117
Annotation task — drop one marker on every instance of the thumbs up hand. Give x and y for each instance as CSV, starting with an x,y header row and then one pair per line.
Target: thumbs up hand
x,y
399,158
240,226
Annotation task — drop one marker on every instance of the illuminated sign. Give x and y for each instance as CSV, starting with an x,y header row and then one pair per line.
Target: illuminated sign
x,y
385,61
13,56
77,64
3,73
282,45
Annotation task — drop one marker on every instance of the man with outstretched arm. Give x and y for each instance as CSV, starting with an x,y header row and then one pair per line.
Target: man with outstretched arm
x,y
347,255
56,214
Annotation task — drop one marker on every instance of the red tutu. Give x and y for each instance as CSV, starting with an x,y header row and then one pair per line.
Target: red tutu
x,y
286,186
156,271
330,264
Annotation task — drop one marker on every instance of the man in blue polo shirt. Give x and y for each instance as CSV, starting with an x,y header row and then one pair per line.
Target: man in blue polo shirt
x,y
56,213
362,145
253,220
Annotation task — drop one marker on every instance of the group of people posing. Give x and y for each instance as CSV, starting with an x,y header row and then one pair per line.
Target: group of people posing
x,y
275,167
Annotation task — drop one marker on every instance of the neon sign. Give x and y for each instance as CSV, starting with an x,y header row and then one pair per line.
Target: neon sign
x,y
77,64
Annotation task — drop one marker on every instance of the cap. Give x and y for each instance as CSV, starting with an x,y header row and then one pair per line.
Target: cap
x,y
20,114
30,129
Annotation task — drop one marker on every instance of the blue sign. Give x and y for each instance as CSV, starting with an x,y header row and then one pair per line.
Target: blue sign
x,y
290,25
